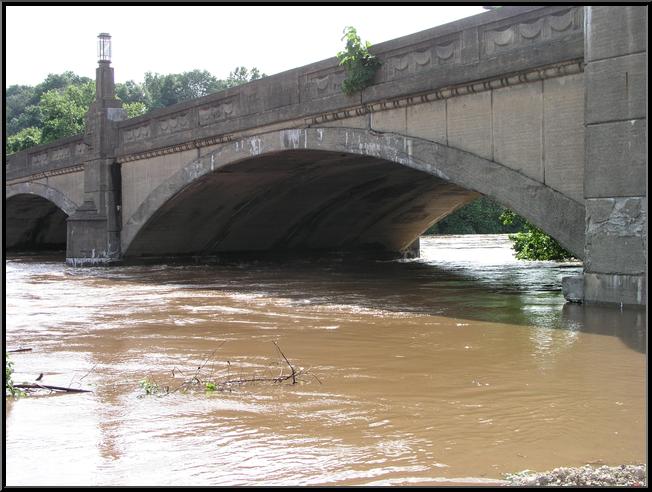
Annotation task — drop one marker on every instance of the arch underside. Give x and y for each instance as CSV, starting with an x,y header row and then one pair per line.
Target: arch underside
x,y
331,188
33,223
300,200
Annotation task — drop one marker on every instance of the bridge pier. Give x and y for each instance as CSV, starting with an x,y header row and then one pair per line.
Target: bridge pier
x,y
94,229
615,171
413,250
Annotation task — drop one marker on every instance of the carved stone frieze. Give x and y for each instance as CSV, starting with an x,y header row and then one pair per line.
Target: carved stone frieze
x,y
60,154
498,39
218,111
325,83
174,124
40,159
134,134
441,52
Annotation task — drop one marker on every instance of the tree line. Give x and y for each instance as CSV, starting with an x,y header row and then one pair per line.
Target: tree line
x,y
56,107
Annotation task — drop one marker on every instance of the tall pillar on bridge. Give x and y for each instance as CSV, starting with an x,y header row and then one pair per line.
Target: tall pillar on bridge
x,y
94,229
615,172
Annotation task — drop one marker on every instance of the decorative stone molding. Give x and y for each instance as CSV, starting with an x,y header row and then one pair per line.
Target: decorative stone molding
x,y
422,58
557,70
134,134
174,124
46,174
323,83
218,111
60,154
204,142
39,160
496,40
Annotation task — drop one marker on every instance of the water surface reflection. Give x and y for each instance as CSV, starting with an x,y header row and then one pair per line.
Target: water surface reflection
x,y
457,367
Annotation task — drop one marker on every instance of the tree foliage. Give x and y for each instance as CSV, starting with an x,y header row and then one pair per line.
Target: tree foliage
x,y
63,112
360,65
56,107
484,216
241,75
24,139
481,216
134,109
532,243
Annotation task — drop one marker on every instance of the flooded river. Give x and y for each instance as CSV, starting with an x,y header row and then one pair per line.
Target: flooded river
x,y
457,367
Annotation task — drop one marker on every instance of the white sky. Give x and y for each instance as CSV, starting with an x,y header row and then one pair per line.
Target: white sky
x,y
174,39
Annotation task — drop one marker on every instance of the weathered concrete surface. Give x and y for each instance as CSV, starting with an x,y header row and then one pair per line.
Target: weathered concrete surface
x,y
615,174
141,177
573,288
415,178
469,120
613,145
93,236
615,289
298,200
615,32
563,135
616,235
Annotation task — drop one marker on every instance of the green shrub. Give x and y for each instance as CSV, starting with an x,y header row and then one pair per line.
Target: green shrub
x,y
360,65
9,384
534,244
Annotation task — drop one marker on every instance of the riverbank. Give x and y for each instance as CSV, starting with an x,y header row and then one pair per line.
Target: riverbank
x,y
585,476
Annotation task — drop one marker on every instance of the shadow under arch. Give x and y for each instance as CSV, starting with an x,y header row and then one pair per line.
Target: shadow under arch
x,y
387,187
35,217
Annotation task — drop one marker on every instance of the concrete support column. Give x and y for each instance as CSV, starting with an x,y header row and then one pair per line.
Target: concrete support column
x,y
94,228
413,250
615,172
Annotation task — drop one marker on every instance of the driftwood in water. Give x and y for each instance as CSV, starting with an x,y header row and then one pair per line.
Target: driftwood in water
x,y
52,388
226,381
20,350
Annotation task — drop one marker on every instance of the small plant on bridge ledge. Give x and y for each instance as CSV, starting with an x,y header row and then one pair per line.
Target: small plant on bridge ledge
x,y
360,65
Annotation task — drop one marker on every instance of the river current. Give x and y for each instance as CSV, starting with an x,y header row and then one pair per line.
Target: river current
x,y
453,368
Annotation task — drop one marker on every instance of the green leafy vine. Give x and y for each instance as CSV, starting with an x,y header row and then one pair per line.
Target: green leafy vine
x,y
360,65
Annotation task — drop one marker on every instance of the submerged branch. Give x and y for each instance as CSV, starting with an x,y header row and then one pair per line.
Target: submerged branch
x,y
294,379
49,387
226,380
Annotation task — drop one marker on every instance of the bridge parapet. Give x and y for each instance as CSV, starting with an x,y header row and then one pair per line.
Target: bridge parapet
x,y
61,156
493,45
488,48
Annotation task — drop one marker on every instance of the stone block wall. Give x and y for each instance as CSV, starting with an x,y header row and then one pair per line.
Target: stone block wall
x,y
615,172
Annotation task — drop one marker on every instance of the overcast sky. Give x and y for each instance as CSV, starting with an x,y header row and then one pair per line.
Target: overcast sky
x,y
173,39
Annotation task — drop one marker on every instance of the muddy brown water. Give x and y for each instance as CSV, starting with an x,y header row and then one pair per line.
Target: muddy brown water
x,y
454,368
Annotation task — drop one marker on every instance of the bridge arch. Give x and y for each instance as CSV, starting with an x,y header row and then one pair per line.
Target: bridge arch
x,y
457,175
35,216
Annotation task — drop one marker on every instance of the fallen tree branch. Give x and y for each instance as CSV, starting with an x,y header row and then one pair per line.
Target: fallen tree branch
x,y
294,379
53,388
20,350
226,382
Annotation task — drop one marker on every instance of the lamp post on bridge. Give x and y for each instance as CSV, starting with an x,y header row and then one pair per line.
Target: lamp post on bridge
x,y
94,228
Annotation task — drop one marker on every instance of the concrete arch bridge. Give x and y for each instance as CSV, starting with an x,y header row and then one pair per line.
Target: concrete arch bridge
x,y
540,108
